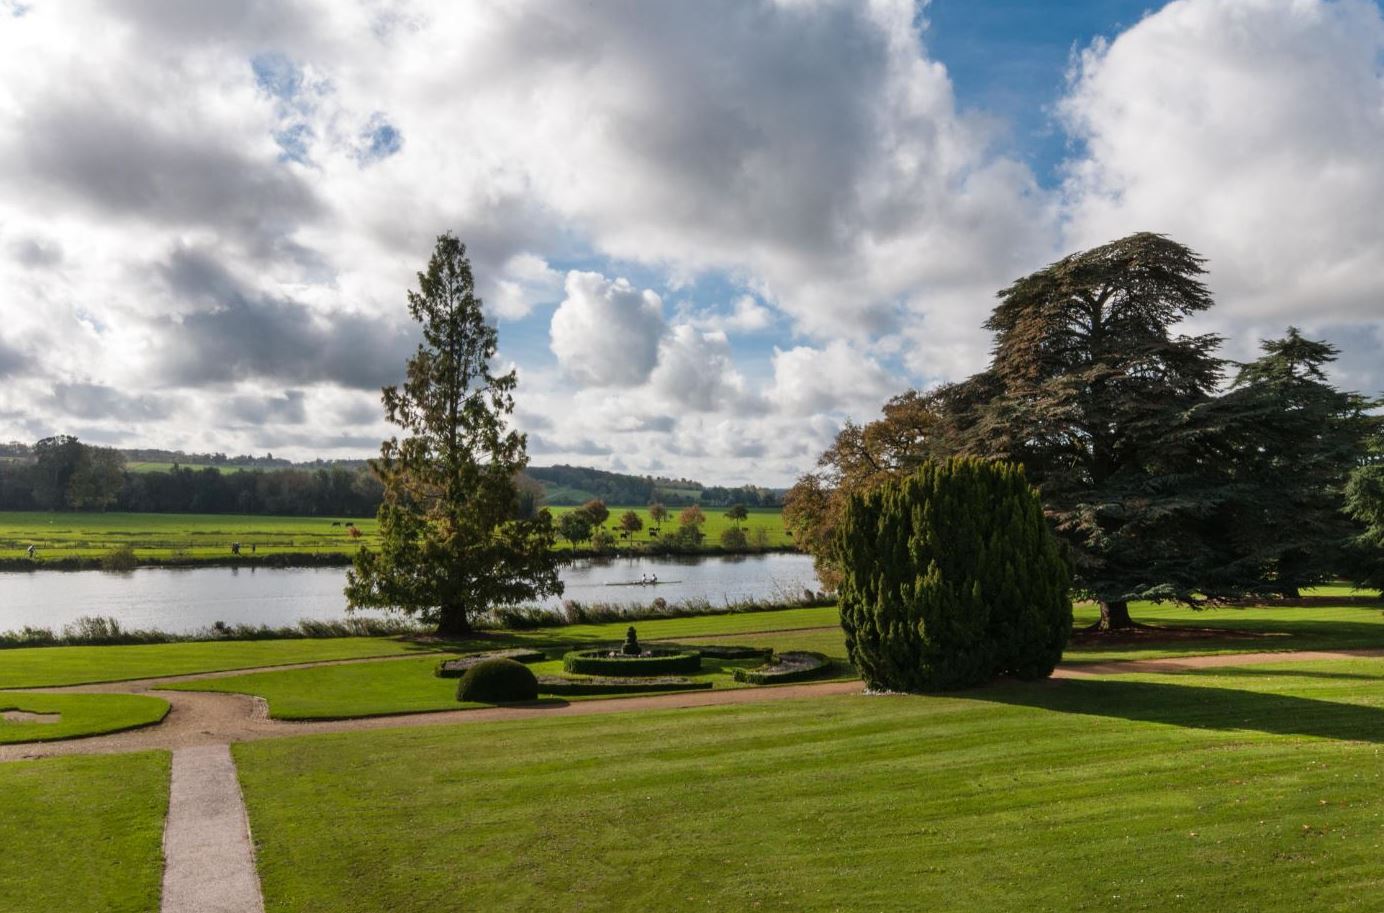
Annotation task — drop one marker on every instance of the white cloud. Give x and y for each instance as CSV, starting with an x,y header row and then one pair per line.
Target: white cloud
x,y
1250,130
216,205
837,378
695,371
606,333
524,281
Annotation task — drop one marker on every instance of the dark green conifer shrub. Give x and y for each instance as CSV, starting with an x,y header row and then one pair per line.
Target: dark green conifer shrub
x,y
952,577
498,681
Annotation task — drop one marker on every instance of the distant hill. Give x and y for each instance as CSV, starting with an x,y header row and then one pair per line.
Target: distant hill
x,y
568,485
562,485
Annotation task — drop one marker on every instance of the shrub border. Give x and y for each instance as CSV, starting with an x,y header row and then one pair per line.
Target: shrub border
x,y
555,684
771,674
671,662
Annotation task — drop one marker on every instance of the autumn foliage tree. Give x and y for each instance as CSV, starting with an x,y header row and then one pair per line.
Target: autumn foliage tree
x,y
452,542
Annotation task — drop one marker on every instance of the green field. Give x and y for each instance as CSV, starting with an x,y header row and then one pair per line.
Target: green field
x,y
1259,790
769,519
79,714
83,835
61,535
193,536
41,667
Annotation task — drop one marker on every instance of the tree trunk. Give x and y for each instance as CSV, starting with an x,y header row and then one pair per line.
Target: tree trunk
x,y
455,622
1114,616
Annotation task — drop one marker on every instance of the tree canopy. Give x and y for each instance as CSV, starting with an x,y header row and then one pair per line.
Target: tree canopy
x,y
452,541
1160,483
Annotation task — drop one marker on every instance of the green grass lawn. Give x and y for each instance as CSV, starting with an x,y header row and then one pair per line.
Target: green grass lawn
x,y
35,667
80,714
1279,627
59,535
83,834
408,686
378,689
1253,791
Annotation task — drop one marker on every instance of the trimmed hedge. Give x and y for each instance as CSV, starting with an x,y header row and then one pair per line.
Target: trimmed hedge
x,y
950,578
786,667
552,684
662,662
498,681
718,651
456,668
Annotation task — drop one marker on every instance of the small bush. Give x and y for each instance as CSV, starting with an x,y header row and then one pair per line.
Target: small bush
x,y
456,668
498,681
950,578
120,558
733,538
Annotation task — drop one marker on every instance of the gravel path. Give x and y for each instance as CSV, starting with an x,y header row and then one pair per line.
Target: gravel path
x,y
209,861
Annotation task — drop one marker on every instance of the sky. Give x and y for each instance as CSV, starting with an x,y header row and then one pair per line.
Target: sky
x,y
709,233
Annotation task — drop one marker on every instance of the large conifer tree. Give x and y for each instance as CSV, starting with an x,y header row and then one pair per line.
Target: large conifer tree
x,y
1102,404
453,542
1295,439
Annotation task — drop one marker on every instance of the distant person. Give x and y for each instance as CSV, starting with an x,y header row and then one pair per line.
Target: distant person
x,y
252,548
235,548
653,578
29,551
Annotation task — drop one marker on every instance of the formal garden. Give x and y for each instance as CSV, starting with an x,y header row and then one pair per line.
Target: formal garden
x,y
1117,649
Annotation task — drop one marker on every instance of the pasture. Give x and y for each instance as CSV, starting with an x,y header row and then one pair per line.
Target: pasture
x,y
192,537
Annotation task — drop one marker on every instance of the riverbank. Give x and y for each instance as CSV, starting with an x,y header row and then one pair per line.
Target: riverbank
x,y
123,541
105,562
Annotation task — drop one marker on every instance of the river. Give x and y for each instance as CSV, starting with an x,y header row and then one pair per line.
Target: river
x,y
179,600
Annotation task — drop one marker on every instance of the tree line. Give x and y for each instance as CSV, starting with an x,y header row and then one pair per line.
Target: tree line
x,y
62,473
1166,471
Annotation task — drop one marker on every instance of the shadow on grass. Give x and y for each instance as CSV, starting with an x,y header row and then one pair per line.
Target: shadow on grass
x,y
1195,707
1256,672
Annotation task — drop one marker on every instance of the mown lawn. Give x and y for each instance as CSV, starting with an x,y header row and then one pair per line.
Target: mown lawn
x,y
1277,628
80,714
1257,790
35,667
83,834
409,686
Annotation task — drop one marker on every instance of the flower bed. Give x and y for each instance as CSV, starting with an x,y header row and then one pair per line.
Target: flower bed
x,y
561,685
456,668
785,667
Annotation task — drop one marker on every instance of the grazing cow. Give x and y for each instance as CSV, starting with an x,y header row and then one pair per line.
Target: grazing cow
x,y
355,533
336,523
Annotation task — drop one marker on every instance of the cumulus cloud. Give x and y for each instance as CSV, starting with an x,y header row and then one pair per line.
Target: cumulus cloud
x,y
836,378
695,371
606,332
230,199
1250,130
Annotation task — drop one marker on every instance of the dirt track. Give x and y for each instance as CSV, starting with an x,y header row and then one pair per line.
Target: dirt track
x,y
207,718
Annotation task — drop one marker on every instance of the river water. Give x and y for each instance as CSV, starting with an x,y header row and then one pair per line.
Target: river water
x,y
180,600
